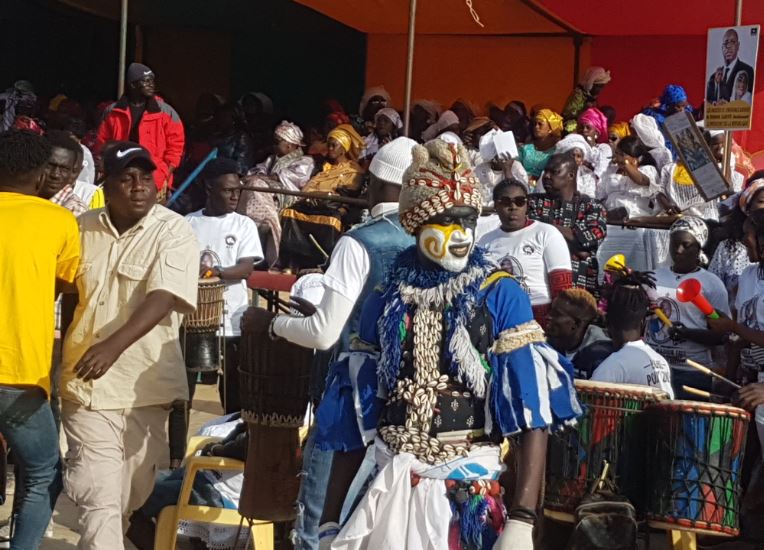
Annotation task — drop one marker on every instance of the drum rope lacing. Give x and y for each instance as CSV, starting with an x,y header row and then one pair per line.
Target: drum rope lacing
x,y
421,395
273,420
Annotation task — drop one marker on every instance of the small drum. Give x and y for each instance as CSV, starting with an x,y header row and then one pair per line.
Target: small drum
x,y
274,381
695,456
201,351
611,429
209,307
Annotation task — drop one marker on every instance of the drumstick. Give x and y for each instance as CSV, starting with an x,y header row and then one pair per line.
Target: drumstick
x,y
662,316
708,371
315,242
701,393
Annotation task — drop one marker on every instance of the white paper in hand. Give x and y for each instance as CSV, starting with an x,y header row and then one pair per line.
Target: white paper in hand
x,y
505,144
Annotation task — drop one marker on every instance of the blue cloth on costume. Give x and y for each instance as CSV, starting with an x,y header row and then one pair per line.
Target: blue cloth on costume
x,y
672,94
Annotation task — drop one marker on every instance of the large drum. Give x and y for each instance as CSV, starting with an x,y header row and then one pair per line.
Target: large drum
x,y
274,381
695,456
200,332
613,429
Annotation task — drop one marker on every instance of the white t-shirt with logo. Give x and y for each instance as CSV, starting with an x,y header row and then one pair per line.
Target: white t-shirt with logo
x,y
224,240
656,333
529,254
636,363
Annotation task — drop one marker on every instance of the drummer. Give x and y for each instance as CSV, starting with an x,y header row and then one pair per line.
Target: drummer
x,y
689,337
633,362
230,248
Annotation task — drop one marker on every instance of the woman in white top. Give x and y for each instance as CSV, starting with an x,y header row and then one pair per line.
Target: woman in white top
x,y
631,184
576,145
535,253
689,338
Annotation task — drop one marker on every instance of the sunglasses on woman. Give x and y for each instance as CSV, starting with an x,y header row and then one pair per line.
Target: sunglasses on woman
x,y
508,201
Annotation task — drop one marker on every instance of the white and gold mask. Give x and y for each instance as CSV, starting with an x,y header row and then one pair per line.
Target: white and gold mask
x,y
449,246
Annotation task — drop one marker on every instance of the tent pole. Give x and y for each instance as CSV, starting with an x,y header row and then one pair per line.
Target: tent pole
x,y
577,42
122,49
727,166
409,67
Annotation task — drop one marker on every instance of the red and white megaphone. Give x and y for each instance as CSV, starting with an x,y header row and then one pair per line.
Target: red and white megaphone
x,y
690,290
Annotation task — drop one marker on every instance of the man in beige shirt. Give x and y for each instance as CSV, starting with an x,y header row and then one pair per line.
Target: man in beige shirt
x,y
122,363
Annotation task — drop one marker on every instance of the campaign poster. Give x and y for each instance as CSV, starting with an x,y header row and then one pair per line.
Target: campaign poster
x,y
730,76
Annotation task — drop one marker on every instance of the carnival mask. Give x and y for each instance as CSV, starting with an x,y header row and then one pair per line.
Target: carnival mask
x,y
450,242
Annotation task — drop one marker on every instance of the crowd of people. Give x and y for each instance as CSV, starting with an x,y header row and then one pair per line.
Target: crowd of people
x,y
448,330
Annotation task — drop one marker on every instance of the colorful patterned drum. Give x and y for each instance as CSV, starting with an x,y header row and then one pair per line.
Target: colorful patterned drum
x,y
611,429
695,456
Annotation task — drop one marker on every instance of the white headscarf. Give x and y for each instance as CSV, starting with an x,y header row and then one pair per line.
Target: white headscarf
x,y
371,92
574,141
392,114
647,130
289,132
448,118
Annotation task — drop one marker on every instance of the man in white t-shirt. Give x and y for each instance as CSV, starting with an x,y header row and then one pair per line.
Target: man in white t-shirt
x,y
633,362
230,247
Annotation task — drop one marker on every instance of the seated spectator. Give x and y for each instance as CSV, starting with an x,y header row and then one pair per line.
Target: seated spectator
x,y
534,156
633,361
287,167
387,126
572,332
593,126
628,187
689,337
231,138
647,130
445,128
490,168
214,489
535,253
579,148
580,219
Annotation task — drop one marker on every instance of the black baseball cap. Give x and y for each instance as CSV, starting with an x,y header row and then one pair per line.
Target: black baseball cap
x,y
119,155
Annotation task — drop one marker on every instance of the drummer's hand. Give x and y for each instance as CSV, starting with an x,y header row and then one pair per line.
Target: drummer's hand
x,y
751,396
257,320
205,271
722,325
97,360
302,306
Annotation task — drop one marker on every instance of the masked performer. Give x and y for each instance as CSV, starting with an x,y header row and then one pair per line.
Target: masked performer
x,y
462,366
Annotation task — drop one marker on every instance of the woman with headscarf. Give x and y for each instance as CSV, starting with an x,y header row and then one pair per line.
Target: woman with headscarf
x,y
424,113
446,128
231,138
547,130
579,148
517,116
286,168
689,337
465,111
673,100
387,126
491,169
629,186
310,227
616,132
593,125
649,133
259,116
584,96
374,99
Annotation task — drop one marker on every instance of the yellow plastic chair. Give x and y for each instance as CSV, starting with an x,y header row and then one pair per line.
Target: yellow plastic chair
x,y
261,537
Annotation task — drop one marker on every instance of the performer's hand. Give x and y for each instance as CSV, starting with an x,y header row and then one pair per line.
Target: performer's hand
x,y
302,306
722,325
677,332
97,361
517,535
257,320
751,396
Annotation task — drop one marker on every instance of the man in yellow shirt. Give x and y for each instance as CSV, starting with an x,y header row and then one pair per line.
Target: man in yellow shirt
x,y
39,244
122,364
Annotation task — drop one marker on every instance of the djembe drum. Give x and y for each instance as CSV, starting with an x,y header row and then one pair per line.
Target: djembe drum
x,y
201,341
274,381
695,455
613,429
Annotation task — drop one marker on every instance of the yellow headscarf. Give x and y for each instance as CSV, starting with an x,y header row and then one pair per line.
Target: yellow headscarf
x,y
346,136
621,129
553,119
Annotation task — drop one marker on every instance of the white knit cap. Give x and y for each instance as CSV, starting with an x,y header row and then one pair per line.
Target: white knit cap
x,y
392,160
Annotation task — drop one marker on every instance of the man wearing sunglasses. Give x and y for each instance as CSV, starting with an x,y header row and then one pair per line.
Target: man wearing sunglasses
x,y
581,219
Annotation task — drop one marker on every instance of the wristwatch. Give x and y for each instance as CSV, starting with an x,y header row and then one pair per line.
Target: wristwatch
x,y
271,334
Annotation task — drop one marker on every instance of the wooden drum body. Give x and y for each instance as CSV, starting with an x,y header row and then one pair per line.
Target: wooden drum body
x,y
209,307
613,429
274,379
695,454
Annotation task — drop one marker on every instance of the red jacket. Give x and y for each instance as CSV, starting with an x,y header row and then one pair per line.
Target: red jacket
x,y
160,131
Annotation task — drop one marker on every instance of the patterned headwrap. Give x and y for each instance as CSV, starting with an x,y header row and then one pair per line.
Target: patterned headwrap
x,y
673,94
391,114
553,119
592,76
596,119
289,132
749,192
574,141
346,136
621,129
695,227
440,177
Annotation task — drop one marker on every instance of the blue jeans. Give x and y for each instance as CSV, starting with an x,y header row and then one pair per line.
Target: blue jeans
x,y
167,490
26,422
317,466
